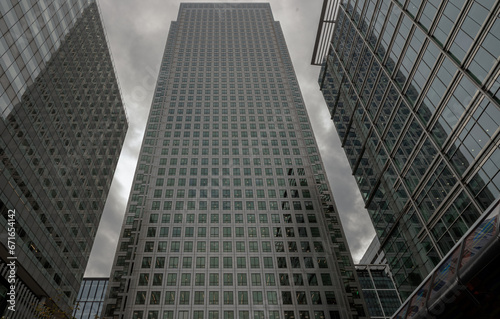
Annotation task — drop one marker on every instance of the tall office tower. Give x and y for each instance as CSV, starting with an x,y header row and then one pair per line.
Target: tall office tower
x,y
413,90
230,213
62,127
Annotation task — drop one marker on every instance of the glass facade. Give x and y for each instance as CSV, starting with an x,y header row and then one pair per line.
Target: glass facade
x,y
62,128
380,294
230,214
413,90
90,298
463,284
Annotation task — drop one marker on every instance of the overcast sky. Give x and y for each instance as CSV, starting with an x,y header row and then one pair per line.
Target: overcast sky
x,y
137,33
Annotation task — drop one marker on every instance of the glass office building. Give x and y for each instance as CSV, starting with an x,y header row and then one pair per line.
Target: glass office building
x,y
62,127
90,298
413,88
230,213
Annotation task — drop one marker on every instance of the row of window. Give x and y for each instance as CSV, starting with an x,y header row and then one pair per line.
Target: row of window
x,y
224,105
226,193
232,111
228,218
227,246
227,205
226,54
215,171
223,142
226,182
290,171
215,161
241,262
238,231
192,66
230,314
229,98
228,298
227,279
227,151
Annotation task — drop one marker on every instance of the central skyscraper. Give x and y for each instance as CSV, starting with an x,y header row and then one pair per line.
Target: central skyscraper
x,y
230,213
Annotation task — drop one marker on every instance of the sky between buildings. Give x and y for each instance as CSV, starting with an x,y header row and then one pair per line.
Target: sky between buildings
x,y
137,32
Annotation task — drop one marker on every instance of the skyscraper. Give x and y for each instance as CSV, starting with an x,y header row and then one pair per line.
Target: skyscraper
x,y
230,214
413,90
62,127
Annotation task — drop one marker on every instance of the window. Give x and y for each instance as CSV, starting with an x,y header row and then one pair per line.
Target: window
x,y
173,262
312,279
301,298
270,280
214,246
322,262
160,262
240,246
242,279
242,298
284,281
201,246
162,246
272,297
228,298
327,280
155,298
254,262
228,279
199,297
308,262
214,279
287,298
200,262
257,297
315,298
175,246
241,262
151,232
171,279
187,262
199,280
185,280
149,246
184,298
169,297
146,262
281,262
143,279
256,280
213,298
298,280
253,246
330,298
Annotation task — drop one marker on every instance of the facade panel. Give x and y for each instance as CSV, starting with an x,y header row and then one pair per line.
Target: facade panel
x,y
90,298
379,291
